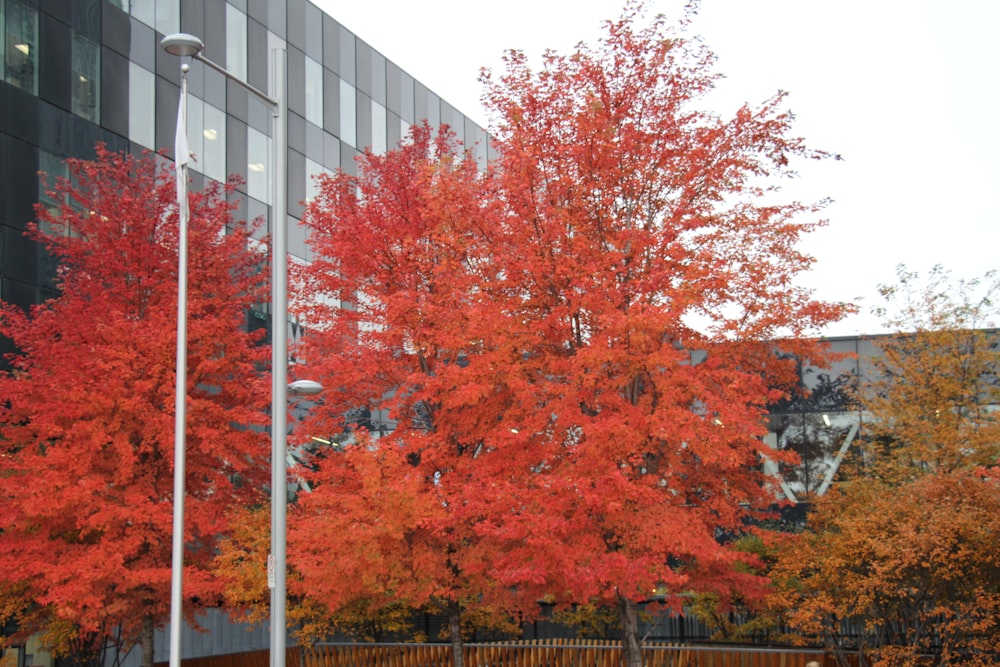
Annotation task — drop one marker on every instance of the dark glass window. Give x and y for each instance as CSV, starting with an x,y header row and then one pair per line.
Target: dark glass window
x,y
51,168
114,92
21,46
86,81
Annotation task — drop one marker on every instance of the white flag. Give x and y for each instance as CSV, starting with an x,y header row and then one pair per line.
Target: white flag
x,y
181,152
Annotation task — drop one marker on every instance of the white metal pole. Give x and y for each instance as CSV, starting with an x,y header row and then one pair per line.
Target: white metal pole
x,y
182,44
279,358
181,156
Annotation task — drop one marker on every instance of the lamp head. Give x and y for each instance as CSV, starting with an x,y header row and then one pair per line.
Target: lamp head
x,y
304,388
182,44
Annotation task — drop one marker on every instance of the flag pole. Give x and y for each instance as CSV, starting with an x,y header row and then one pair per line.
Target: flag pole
x,y
181,157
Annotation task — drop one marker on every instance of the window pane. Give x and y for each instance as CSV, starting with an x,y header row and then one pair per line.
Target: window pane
x,y
313,169
347,55
141,93
52,167
86,78
404,132
195,138
378,128
314,92
214,132
145,11
348,112
257,161
236,42
21,47
168,16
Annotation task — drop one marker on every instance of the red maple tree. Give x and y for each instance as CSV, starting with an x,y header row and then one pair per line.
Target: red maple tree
x,y
87,417
575,349
651,263
398,323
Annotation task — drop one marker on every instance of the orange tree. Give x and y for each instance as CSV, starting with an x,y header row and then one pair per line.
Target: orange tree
x,y
901,559
398,324
240,564
574,348
648,263
87,418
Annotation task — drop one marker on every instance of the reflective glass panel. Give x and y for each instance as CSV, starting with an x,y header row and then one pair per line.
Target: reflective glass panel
x,y
347,55
236,42
257,161
52,167
214,134
141,94
348,113
404,132
144,10
196,141
168,16
378,128
314,92
21,46
314,169
86,81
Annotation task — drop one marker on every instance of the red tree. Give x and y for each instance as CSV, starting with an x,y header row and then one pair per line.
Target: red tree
x,y
649,263
577,348
87,423
399,325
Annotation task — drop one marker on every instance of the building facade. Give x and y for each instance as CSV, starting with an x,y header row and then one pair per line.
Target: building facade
x,y
77,72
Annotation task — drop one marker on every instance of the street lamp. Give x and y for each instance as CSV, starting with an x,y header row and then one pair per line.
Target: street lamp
x,y
185,45
304,388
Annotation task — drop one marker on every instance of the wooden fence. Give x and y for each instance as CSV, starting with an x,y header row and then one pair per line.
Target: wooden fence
x,y
534,653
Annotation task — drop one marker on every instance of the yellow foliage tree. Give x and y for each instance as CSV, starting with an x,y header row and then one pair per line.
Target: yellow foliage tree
x,y
903,560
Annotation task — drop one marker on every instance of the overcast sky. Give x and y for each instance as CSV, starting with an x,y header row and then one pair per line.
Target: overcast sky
x,y
907,91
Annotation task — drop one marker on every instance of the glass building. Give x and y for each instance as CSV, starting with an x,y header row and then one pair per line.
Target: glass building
x,y
78,72
75,72
822,423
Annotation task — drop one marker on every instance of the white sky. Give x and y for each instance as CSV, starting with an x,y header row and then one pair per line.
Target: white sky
x,y
907,91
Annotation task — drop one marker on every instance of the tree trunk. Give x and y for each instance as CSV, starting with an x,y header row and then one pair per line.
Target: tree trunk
x,y
631,646
455,629
147,641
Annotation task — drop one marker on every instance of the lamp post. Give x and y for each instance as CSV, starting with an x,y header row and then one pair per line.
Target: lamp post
x,y
184,45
